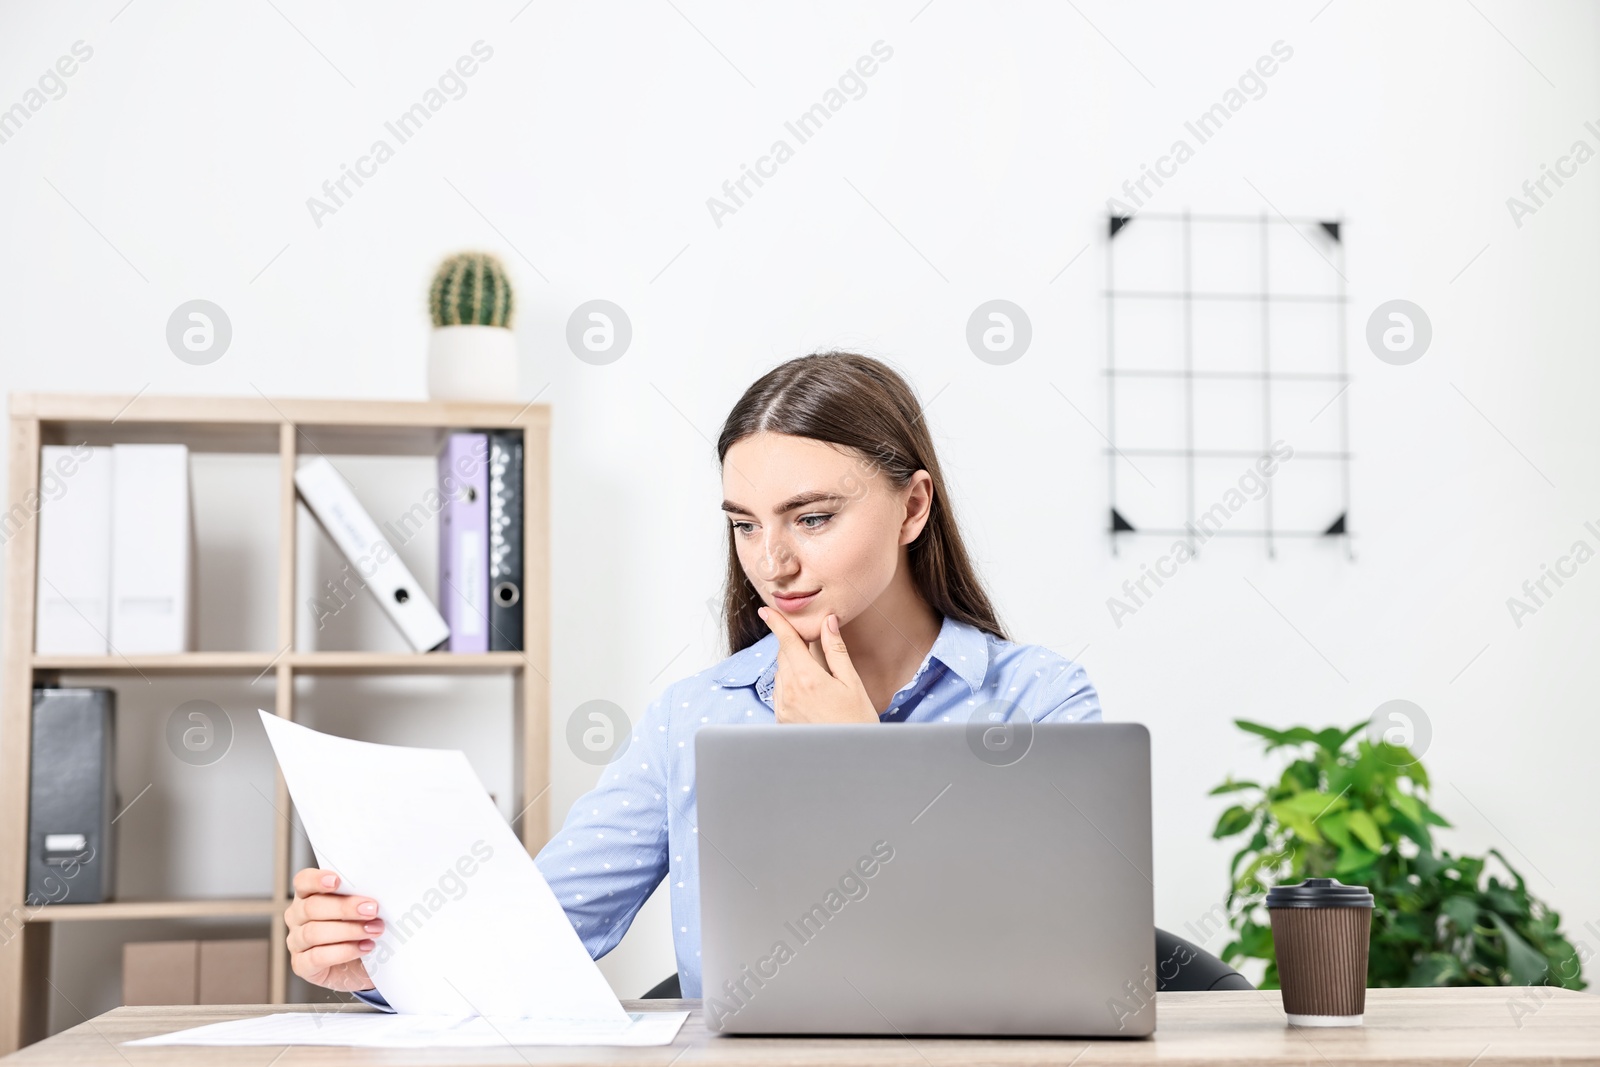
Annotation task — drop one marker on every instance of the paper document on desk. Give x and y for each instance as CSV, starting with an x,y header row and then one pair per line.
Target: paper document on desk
x,y
470,925
374,1030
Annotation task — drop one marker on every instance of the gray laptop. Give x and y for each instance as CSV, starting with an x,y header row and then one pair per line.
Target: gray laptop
x,y
927,878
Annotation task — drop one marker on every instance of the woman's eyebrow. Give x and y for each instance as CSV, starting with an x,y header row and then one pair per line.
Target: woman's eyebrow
x,y
799,500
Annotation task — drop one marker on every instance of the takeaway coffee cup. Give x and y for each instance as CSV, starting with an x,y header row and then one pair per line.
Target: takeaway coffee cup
x,y
1320,931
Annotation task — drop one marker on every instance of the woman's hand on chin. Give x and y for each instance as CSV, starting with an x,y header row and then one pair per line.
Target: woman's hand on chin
x,y
809,690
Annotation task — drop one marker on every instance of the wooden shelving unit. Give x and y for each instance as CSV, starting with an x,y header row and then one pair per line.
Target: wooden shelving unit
x,y
288,428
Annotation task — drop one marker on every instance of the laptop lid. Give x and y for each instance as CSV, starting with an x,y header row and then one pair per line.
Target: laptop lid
x,y
927,878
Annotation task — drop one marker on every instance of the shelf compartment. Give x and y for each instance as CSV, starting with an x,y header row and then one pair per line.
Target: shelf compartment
x,y
171,663
406,662
251,423
263,908
302,662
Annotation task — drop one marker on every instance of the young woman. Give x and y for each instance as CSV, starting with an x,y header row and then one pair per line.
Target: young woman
x,y
849,598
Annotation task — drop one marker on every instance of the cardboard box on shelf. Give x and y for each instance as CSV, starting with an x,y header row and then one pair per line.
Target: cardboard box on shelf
x,y
160,972
233,972
195,972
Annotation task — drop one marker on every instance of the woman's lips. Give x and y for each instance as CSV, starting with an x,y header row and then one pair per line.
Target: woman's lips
x,y
792,604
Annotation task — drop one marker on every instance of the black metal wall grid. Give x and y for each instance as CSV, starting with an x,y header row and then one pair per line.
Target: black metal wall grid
x,y
1241,386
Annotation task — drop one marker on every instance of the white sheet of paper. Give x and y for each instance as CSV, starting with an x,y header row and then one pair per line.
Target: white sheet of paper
x,y
372,1030
470,925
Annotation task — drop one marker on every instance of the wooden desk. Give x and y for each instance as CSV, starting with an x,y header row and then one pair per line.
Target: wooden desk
x,y
1444,1027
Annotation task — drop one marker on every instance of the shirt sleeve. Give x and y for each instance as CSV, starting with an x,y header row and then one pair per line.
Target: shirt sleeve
x,y
1069,696
375,998
611,853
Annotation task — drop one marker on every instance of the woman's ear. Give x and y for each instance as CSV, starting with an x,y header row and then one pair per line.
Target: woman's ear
x,y
918,504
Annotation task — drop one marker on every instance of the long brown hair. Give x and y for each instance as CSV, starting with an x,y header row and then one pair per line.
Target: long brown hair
x,y
863,405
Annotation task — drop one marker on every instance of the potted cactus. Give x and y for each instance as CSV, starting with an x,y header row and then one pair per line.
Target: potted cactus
x,y
472,354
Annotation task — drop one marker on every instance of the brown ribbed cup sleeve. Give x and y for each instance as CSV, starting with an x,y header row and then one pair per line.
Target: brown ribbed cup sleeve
x,y
1322,959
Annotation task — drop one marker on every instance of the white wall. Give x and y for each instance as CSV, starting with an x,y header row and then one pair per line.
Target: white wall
x,y
179,161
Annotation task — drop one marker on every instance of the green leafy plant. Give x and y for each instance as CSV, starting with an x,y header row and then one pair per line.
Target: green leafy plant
x,y
1359,811
470,289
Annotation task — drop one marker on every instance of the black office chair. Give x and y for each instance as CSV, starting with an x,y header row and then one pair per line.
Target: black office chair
x,y
666,989
1190,967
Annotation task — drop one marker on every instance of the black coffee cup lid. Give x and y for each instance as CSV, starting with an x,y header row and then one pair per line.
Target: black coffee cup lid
x,y
1319,893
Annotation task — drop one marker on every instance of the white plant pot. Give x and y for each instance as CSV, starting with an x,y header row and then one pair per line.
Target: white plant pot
x,y
472,363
